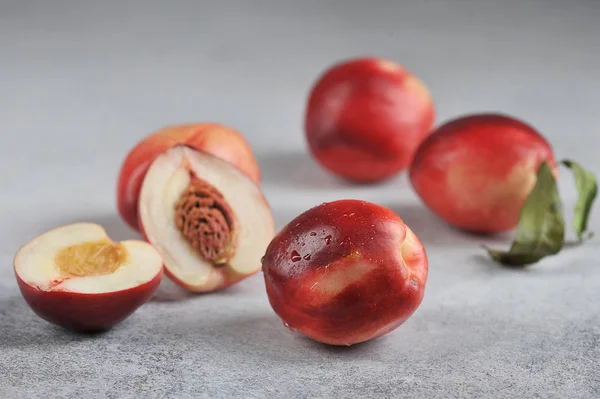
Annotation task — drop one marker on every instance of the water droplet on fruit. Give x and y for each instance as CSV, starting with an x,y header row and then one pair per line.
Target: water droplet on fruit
x,y
352,214
313,233
296,256
328,240
306,257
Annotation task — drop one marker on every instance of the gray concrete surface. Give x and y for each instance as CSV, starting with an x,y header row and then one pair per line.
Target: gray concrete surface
x,y
81,82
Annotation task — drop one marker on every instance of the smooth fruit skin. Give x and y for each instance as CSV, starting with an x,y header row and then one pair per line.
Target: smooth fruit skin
x,y
476,171
213,138
345,272
87,312
365,118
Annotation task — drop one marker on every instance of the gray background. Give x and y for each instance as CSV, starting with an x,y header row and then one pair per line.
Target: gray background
x,y
80,83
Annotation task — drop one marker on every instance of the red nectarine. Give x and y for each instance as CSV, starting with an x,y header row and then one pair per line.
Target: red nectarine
x,y
76,277
365,118
476,171
221,141
345,272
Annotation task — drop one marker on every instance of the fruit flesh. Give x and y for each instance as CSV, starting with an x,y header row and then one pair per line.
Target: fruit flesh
x,y
167,179
213,138
345,272
366,117
476,171
47,261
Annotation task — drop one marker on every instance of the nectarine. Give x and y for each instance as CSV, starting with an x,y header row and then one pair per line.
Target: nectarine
x,y
216,139
345,272
76,277
476,171
365,118
209,221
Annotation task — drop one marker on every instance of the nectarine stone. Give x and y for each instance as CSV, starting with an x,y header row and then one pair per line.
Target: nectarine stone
x,y
206,221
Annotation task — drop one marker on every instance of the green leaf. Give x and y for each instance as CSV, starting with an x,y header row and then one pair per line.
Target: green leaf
x,y
587,187
541,228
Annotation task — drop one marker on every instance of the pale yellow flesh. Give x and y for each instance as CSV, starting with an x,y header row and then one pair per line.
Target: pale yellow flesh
x,y
167,178
35,262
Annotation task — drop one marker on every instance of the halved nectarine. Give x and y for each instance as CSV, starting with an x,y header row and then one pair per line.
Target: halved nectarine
x,y
214,138
76,277
209,221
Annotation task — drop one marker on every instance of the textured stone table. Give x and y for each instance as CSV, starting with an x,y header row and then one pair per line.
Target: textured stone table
x,y
81,84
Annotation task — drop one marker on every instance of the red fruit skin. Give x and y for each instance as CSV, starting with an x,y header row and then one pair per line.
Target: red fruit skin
x,y
345,272
476,171
365,118
87,312
216,139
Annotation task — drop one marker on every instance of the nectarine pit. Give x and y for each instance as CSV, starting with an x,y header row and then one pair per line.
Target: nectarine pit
x,y
94,258
206,221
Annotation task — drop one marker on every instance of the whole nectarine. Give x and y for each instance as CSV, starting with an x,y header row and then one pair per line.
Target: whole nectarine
x,y
345,272
476,171
365,118
215,139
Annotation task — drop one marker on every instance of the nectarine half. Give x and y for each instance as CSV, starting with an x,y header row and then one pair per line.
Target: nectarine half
x,y
74,276
213,138
209,221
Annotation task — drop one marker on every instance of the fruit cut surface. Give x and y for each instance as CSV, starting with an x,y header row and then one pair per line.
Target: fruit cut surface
x,y
81,258
167,179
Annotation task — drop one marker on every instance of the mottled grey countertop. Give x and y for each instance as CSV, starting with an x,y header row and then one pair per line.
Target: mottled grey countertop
x,y
80,84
